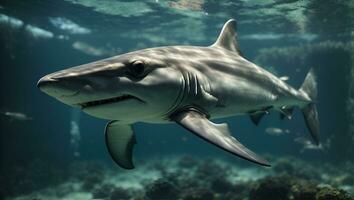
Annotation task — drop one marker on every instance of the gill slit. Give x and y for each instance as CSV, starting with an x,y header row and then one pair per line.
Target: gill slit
x,y
188,89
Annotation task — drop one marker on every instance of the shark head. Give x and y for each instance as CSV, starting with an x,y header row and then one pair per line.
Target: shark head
x,y
119,88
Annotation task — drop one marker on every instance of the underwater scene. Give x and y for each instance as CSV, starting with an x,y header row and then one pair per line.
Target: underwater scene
x,y
177,100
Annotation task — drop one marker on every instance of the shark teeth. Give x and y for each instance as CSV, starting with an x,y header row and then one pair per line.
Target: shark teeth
x,y
106,101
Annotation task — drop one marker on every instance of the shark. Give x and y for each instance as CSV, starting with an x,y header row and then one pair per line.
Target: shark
x,y
187,85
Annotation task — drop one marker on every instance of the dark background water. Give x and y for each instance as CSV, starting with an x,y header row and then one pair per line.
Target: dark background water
x,y
287,37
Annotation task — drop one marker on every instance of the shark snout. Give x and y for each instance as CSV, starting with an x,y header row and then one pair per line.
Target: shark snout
x,y
55,87
45,81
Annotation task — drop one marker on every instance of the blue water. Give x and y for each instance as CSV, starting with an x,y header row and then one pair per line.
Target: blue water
x,y
285,37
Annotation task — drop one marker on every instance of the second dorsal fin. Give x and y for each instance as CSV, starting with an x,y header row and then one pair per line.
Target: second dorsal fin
x,y
227,37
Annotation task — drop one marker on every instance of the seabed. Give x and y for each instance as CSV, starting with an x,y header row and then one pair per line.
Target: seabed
x,y
184,177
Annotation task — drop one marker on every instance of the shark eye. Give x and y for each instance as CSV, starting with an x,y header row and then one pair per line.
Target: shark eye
x,y
137,68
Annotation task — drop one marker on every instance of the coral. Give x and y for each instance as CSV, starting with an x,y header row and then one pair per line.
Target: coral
x,y
231,196
208,180
90,173
209,169
64,190
162,189
221,185
81,170
198,194
185,182
239,191
296,168
187,162
284,165
347,179
328,193
303,190
90,181
120,194
275,188
103,191
289,187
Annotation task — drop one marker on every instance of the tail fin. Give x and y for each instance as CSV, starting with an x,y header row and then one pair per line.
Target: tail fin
x,y
309,87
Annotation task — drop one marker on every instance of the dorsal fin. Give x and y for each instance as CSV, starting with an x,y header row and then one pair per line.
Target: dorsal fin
x,y
227,37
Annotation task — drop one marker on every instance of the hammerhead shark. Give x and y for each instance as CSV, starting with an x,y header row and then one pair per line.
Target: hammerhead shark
x,y
189,85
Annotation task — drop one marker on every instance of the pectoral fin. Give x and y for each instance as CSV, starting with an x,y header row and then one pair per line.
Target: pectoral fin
x,y
217,134
120,141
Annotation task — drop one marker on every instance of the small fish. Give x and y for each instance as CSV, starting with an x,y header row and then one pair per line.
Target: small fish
x,y
284,78
276,131
308,145
17,116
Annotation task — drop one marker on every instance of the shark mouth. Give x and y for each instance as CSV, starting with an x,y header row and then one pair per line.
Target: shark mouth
x,y
107,101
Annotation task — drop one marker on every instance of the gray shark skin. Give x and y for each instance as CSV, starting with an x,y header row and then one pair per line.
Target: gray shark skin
x,y
189,85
